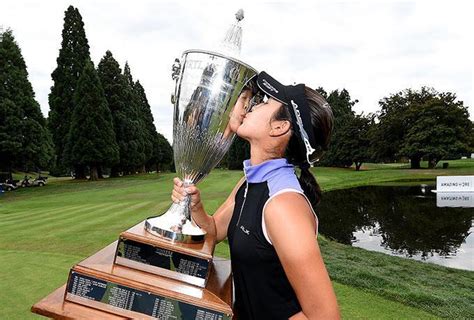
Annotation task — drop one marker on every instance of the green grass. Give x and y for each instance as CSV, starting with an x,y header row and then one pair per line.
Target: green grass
x,y
44,231
358,304
371,174
442,291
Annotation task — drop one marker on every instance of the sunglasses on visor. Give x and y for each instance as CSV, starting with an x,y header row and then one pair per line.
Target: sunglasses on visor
x,y
259,97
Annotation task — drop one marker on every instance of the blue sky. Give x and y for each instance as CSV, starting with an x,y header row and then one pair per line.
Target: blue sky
x,y
371,48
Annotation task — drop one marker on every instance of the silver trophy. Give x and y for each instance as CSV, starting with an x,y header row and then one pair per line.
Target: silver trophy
x,y
207,91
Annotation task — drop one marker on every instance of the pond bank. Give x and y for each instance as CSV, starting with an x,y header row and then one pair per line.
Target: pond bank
x,y
408,221
442,291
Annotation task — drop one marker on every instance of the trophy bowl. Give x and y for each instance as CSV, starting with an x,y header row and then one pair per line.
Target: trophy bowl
x,y
208,86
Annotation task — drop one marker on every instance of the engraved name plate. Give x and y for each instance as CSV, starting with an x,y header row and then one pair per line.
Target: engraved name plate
x,y
122,297
176,265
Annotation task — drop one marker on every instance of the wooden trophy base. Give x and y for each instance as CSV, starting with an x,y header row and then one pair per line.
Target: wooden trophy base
x,y
99,289
190,263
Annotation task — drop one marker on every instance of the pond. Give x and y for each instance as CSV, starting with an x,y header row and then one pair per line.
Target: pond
x,y
403,221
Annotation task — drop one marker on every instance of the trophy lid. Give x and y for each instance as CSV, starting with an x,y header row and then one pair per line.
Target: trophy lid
x,y
229,47
232,42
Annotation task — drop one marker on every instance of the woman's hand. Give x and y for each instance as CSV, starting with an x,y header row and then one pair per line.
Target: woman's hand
x,y
216,224
199,215
180,191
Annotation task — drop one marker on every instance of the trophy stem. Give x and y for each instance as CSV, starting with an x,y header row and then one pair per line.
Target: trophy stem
x,y
176,224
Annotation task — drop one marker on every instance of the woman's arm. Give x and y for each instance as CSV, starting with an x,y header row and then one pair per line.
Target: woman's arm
x,y
291,228
216,224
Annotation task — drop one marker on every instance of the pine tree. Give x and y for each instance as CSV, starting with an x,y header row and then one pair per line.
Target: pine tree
x,y
124,104
73,55
91,138
115,90
134,159
11,137
149,133
163,152
24,138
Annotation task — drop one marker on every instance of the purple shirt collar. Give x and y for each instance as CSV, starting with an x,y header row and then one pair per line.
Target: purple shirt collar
x,y
267,170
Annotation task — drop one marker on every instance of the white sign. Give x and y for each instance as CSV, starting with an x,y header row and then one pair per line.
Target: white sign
x,y
455,199
454,184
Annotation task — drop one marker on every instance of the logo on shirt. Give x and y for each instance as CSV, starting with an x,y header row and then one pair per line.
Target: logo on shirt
x,y
246,231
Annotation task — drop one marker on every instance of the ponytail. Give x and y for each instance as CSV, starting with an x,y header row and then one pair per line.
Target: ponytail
x,y
310,186
322,120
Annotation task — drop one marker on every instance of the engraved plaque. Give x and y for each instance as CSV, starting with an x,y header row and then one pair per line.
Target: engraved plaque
x,y
127,298
177,265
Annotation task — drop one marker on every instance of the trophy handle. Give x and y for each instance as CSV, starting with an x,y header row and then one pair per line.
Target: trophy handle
x,y
175,74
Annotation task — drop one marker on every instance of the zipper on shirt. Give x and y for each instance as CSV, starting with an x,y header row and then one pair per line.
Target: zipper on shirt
x,y
243,203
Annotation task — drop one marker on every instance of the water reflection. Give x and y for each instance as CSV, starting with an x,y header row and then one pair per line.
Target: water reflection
x,y
401,221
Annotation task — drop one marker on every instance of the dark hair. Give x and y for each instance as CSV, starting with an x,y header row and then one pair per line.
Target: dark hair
x,y
322,120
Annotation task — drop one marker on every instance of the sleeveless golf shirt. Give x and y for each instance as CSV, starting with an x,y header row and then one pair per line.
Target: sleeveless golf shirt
x,y
262,289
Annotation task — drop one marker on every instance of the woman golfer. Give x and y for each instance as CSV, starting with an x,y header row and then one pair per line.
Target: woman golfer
x,y
269,218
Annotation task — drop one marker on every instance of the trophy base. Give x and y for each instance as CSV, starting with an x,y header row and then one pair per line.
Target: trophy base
x,y
99,288
187,262
55,307
159,226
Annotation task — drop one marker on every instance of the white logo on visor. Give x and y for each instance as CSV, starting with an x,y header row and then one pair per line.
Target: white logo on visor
x,y
269,86
304,135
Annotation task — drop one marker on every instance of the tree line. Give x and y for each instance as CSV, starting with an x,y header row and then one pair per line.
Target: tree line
x,y
411,125
99,118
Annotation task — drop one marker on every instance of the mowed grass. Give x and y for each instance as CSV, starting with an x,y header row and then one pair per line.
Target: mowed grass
x,y
44,231
373,173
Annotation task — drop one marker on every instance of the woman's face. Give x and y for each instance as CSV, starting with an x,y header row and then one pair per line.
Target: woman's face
x,y
238,112
256,124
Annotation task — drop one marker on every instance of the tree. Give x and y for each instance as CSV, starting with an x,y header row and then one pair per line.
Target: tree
x,y
115,90
471,142
134,158
24,138
353,140
91,138
149,129
391,128
11,136
440,127
322,92
73,55
239,151
163,153
421,123
341,105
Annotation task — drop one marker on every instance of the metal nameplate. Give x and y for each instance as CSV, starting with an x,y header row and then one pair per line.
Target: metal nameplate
x,y
123,297
184,264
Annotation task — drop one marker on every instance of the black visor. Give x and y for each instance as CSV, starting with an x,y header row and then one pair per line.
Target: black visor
x,y
272,87
294,97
